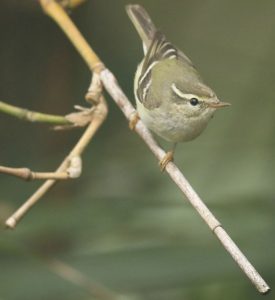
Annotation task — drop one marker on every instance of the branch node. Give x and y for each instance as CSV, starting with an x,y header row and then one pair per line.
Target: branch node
x,y
75,168
29,175
94,90
98,67
215,227
81,118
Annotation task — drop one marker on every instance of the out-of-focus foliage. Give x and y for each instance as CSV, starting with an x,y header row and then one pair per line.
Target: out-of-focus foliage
x,y
123,223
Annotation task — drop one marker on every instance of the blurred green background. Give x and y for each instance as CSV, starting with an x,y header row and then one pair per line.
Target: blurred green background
x,y
124,224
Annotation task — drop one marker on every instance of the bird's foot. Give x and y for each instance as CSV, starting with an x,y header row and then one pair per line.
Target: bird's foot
x,y
133,120
169,156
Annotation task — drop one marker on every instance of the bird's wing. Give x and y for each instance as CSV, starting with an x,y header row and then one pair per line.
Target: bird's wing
x,y
159,50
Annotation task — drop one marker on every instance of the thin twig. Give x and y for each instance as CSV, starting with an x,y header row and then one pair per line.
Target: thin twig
x,y
79,118
73,171
32,116
28,175
111,85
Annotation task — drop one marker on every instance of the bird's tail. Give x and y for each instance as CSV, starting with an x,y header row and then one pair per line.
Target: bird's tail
x,y
142,22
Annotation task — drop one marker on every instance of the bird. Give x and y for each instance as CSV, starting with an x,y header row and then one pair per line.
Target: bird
x,y
172,99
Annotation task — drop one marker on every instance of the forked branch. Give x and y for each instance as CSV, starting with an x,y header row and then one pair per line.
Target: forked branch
x,y
99,116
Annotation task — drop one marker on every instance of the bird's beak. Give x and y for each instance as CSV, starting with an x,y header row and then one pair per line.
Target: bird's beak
x,y
218,104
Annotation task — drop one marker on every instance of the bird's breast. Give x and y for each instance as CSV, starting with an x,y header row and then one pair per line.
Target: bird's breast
x,y
171,123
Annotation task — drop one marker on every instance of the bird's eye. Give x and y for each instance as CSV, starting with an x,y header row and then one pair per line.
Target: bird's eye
x,y
194,101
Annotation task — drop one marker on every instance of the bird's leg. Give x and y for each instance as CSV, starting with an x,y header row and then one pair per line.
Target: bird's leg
x,y
133,120
169,156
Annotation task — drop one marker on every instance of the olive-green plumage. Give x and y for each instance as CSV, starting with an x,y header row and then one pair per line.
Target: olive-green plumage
x,y
172,100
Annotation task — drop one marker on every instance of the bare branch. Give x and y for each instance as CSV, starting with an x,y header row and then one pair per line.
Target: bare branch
x,y
111,85
32,116
80,118
28,175
73,171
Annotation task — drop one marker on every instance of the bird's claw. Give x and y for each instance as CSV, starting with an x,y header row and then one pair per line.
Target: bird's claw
x,y
133,120
169,156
